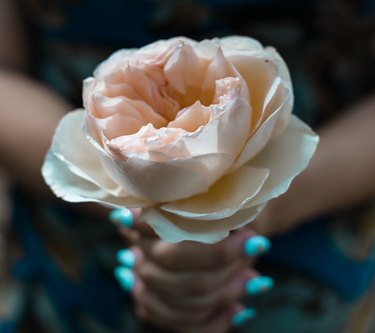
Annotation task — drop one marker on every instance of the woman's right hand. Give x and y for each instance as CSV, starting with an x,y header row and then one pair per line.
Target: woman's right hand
x,y
189,286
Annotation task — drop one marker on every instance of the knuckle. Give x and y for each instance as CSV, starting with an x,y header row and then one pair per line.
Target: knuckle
x,y
142,313
146,313
226,296
145,272
222,254
209,330
164,255
200,283
140,295
163,259
224,328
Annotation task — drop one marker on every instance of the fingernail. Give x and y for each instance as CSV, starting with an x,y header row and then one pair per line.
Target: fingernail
x,y
125,277
256,245
126,258
258,284
123,216
243,316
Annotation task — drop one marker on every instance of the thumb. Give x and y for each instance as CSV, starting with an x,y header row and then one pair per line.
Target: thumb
x,y
129,221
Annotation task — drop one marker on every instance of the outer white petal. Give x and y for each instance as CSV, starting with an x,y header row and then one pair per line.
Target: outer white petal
x,y
70,146
286,157
66,184
284,74
72,188
73,167
174,229
224,198
277,109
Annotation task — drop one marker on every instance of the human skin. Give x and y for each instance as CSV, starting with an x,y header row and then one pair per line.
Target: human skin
x,y
29,112
340,174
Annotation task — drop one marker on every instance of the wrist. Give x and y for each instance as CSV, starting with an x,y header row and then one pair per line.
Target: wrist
x,y
277,217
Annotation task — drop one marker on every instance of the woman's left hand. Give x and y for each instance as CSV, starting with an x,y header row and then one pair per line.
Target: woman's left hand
x,y
191,286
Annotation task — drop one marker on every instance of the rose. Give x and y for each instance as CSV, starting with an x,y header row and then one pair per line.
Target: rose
x,y
200,134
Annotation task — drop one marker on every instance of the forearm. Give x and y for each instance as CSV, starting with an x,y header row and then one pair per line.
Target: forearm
x,y
29,114
340,174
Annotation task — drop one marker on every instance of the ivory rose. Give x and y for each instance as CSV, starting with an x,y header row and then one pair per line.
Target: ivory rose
x,y
199,134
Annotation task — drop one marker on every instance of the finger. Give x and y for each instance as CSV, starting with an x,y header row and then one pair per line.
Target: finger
x,y
151,308
128,221
154,305
157,310
181,282
195,256
182,290
223,321
243,315
130,236
124,217
227,293
246,283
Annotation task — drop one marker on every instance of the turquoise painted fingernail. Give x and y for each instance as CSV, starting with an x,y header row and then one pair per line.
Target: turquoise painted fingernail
x,y
243,316
258,285
123,216
256,245
125,277
126,258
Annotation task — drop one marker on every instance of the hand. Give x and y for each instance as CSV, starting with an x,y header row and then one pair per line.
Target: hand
x,y
191,287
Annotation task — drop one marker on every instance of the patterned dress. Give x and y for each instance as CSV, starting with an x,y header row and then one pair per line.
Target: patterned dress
x,y
60,276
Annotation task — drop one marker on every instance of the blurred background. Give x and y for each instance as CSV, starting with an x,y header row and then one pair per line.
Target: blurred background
x,y
329,46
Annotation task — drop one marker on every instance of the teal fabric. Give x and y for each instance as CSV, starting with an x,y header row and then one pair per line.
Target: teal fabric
x,y
312,250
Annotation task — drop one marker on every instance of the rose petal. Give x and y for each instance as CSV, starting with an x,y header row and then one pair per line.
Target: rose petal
x,y
145,87
116,60
172,180
88,89
233,44
69,143
67,170
118,125
106,107
134,108
226,132
183,70
218,69
148,141
72,188
191,117
276,107
66,184
173,229
259,70
224,198
229,125
159,51
286,157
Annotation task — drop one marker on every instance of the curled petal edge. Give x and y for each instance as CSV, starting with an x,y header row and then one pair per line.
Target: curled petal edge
x,y
173,229
224,198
